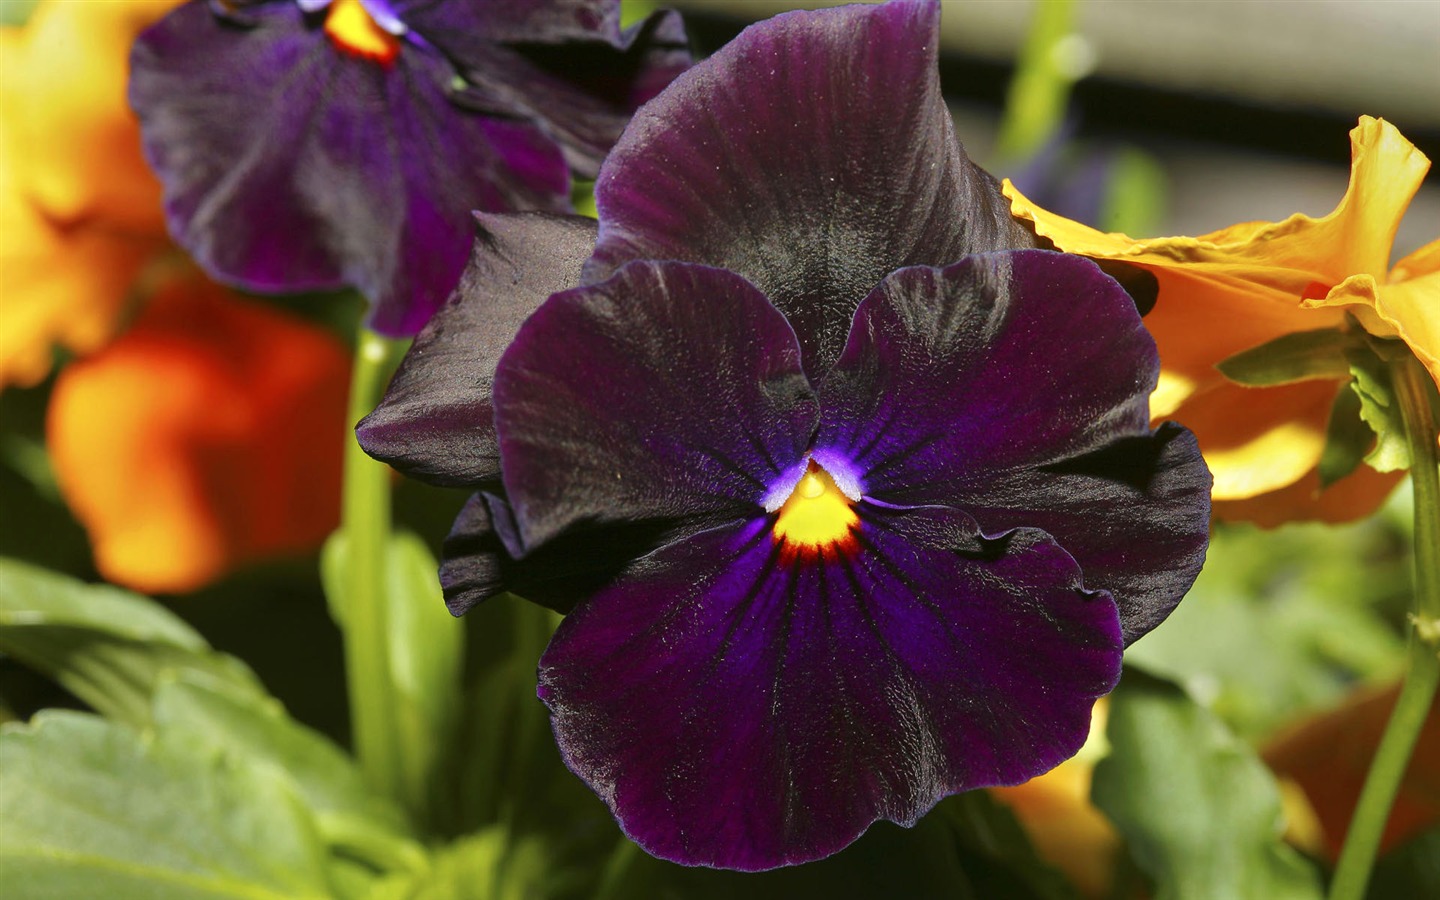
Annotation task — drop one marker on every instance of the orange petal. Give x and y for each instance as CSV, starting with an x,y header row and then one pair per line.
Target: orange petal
x,y
1330,755
206,436
1410,303
1259,440
1068,831
74,141
1276,261
1353,497
58,286
1196,327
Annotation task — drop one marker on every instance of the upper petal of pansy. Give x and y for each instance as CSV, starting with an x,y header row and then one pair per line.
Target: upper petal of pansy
x,y
436,422
736,709
813,154
292,164
670,391
1013,386
582,93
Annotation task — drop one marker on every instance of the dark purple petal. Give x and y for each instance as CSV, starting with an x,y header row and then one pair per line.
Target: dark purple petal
x,y
1000,362
813,155
511,21
738,710
1135,514
436,422
290,165
670,391
477,564
582,93
1015,386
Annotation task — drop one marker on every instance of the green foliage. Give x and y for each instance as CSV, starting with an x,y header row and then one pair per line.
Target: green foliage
x,y
1410,870
1347,438
1282,623
1380,411
107,646
426,658
95,809
487,865
1199,809
1294,357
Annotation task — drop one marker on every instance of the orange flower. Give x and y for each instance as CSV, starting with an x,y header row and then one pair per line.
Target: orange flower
x,y
1246,285
1329,756
79,210
1068,831
208,435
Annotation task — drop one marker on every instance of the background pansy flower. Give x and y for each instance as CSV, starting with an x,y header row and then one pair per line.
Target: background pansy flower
x,y
1246,285
306,144
202,438
79,209
849,518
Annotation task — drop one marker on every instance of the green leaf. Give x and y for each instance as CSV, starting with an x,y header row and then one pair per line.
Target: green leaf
x,y
1294,357
349,816
426,658
93,809
1410,870
1200,811
1380,411
106,646
1347,438
488,865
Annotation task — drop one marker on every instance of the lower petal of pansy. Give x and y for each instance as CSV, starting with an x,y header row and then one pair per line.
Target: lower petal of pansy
x,y
289,164
1355,496
670,391
742,707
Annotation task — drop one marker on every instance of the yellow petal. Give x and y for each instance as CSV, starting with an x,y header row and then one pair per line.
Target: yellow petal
x,y
1258,440
1410,303
74,142
1353,497
1276,261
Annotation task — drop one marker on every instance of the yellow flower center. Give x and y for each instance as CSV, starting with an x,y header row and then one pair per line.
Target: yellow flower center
x,y
352,30
817,514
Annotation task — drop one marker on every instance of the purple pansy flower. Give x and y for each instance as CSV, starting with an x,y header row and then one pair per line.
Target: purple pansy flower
x,y
851,494
313,144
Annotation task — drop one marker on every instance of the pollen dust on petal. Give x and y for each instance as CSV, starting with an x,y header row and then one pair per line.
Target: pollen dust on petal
x,y
352,31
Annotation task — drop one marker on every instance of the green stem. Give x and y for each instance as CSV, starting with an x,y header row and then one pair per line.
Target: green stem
x,y
1413,390
1040,89
365,526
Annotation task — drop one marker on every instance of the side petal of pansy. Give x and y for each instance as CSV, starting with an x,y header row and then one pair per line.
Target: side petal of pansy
x,y
565,65
1410,303
436,422
668,392
1013,386
183,445
741,708
813,155
296,159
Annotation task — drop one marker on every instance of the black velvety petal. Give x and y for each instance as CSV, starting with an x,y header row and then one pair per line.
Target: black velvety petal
x,y
291,164
476,564
1135,514
511,21
738,709
564,64
436,422
670,391
1015,386
813,154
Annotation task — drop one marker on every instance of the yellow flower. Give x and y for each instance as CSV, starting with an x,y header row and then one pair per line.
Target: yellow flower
x,y
1243,286
79,210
